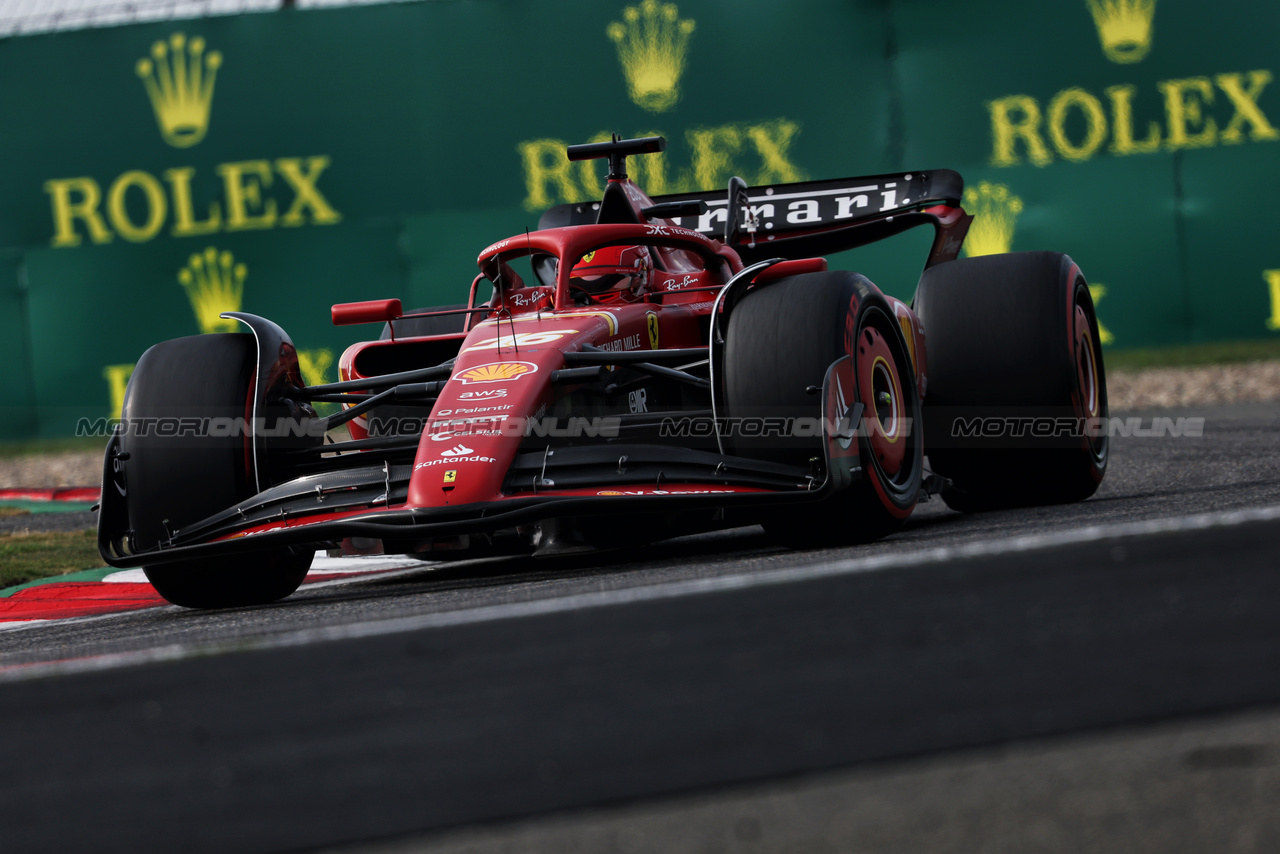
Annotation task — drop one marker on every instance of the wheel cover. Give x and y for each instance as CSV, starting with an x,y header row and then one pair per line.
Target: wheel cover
x,y
1086,366
880,390
1090,401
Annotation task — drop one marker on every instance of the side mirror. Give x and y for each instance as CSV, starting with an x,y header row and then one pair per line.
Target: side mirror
x,y
369,311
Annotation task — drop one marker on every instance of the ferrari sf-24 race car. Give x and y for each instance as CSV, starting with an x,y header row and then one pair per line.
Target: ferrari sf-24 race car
x,y
643,368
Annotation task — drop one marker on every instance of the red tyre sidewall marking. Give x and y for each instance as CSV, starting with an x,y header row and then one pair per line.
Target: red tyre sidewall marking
x,y
869,467
875,358
1085,366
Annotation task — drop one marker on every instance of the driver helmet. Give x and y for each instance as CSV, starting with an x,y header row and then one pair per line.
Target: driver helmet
x,y
612,268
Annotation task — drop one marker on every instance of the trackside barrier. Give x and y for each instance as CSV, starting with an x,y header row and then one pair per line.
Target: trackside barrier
x,y
156,175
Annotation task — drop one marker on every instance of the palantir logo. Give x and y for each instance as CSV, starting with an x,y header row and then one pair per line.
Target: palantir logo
x,y
179,78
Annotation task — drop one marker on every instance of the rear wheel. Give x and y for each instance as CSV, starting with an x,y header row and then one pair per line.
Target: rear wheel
x,y
780,343
1017,398
181,464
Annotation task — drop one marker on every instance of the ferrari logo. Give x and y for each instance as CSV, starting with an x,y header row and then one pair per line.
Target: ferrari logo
x,y
451,476
652,320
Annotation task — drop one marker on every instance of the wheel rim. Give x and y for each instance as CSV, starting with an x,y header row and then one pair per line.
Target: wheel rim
x,y
880,390
1086,366
1090,381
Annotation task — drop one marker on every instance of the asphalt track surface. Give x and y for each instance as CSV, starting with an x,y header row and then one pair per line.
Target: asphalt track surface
x,y
1102,677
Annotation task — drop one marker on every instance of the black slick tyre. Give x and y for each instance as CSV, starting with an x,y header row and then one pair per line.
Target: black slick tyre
x,y
1016,403
780,342
177,472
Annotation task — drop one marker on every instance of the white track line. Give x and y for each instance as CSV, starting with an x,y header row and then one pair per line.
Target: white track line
x,y
655,592
321,564
358,569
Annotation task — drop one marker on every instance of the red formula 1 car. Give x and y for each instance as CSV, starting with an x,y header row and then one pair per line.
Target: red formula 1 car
x,y
643,368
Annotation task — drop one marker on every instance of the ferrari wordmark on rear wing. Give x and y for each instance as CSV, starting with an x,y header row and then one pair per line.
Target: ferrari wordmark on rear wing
x,y
812,218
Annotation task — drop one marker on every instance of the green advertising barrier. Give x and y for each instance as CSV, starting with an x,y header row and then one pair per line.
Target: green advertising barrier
x,y
158,174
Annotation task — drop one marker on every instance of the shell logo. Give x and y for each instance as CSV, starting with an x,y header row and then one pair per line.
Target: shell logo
x,y
496,372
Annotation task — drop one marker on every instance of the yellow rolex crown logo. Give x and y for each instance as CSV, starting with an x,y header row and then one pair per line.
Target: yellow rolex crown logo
x,y
179,79
995,216
314,364
652,42
214,283
1124,27
1096,293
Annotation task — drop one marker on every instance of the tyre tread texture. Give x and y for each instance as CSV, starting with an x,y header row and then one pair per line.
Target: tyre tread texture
x,y
997,329
781,339
175,481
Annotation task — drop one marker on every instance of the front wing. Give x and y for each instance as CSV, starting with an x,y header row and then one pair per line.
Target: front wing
x,y
600,480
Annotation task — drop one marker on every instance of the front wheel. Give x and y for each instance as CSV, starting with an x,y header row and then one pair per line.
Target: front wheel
x,y
174,470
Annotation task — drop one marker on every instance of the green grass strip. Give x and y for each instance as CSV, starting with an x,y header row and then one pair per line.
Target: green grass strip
x,y
49,555
1192,355
21,507
28,447
84,576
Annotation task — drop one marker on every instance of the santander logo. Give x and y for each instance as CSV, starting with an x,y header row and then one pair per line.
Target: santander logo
x,y
457,451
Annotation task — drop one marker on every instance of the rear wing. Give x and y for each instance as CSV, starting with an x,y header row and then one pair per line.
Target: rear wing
x,y
812,218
